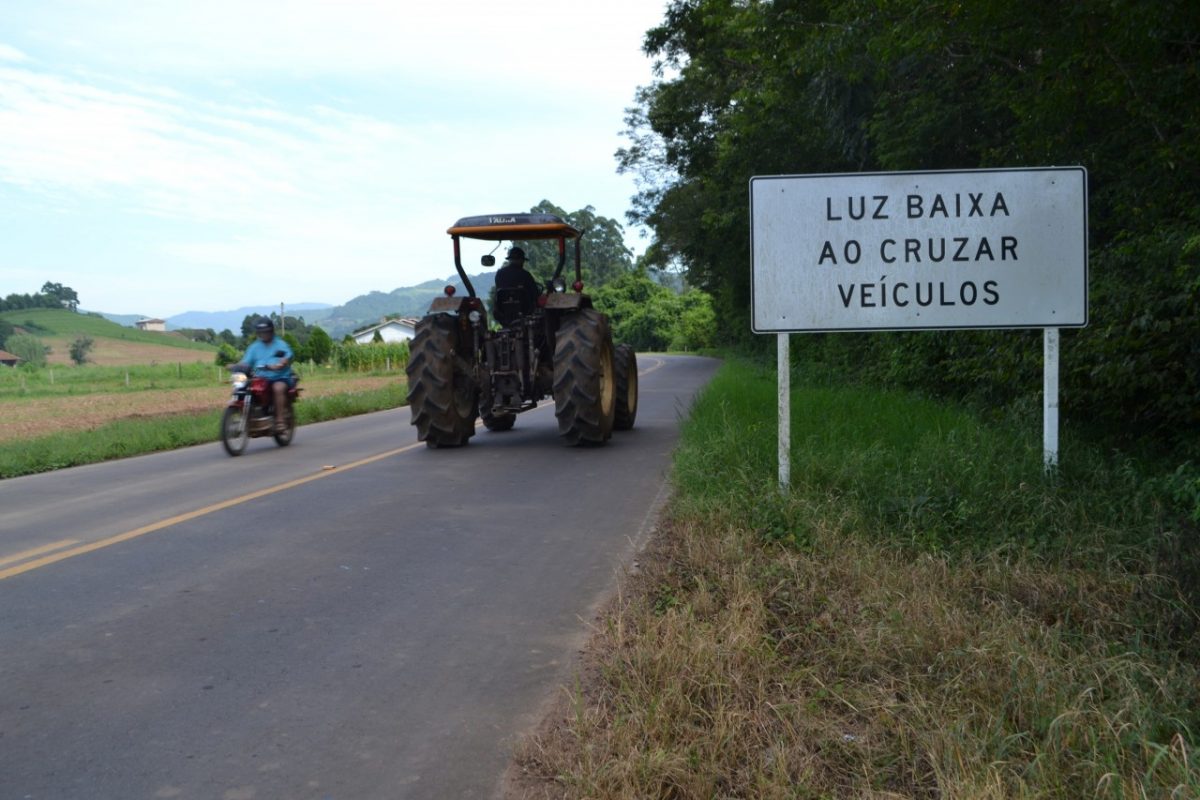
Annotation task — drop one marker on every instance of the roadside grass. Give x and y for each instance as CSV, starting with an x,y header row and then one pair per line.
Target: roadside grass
x,y
90,379
57,381
923,615
136,436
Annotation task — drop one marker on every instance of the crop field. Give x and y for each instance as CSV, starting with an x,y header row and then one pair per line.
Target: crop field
x,y
33,416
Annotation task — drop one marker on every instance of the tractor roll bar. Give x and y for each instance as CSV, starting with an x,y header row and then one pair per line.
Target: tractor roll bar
x,y
462,273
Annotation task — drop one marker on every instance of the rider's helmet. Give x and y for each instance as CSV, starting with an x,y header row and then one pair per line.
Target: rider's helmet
x,y
264,326
516,254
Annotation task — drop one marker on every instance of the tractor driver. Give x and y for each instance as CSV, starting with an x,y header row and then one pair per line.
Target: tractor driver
x,y
271,357
512,275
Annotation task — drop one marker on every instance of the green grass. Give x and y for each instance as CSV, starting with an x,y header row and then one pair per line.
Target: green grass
x,y
44,322
135,437
89,379
21,384
923,614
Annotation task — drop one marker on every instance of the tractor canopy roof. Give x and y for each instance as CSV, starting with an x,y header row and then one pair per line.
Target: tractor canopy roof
x,y
498,227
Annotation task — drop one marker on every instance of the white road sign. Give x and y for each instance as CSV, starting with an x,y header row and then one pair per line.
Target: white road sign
x,y
1003,248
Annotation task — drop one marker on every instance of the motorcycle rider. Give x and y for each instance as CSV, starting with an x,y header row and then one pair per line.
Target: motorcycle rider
x,y
271,357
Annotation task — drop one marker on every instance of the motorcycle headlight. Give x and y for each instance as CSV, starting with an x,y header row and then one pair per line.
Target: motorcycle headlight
x,y
238,379
560,285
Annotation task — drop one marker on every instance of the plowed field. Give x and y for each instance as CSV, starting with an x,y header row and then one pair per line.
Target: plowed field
x,y
25,419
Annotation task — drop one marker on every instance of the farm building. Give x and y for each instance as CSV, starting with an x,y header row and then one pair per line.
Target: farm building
x,y
151,324
392,330
7,359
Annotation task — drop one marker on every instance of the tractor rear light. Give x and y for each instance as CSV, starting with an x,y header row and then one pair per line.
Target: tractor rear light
x,y
449,290
577,286
541,301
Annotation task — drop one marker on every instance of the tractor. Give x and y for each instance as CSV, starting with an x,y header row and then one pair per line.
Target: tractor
x,y
463,367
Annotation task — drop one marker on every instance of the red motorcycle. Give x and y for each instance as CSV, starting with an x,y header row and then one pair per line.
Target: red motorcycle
x,y
250,413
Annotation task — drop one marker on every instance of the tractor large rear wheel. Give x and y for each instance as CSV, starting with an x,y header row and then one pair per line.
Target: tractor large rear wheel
x,y
584,386
441,393
625,365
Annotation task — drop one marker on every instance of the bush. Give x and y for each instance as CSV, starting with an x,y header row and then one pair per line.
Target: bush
x,y
80,349
227,354
28,348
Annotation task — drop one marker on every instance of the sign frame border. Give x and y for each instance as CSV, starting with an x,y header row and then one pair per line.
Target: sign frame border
x,y
1086,255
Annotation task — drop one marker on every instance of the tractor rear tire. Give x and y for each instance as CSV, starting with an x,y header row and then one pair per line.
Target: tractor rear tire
x,y
625,365
441,393
585,391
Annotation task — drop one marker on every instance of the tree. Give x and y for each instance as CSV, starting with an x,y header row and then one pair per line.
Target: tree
x,y
227,354
80,348
649,316
28,348
320,345
826,86
604,254
65,296
6,330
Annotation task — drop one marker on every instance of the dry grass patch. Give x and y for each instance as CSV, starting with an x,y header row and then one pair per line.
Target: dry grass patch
x,y
851,669
923,616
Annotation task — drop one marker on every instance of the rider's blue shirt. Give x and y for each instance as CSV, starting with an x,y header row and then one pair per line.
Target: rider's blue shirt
x,y
260,353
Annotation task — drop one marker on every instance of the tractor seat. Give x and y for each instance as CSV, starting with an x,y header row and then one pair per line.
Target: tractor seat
x,y
511,305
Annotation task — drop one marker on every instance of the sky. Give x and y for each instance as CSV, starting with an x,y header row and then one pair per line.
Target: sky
x,y
168,157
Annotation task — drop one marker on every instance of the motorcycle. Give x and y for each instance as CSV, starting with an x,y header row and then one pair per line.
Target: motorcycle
x,y
250,412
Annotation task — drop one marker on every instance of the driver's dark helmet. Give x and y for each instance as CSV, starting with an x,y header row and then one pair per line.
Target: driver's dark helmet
x,y
516,254
264,326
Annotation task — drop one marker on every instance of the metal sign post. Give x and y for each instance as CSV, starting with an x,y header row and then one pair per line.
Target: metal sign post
x,y
1050,399
783,368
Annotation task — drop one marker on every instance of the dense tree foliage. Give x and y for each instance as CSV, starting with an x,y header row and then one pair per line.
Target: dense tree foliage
x,y
813,86
6,330
649,316
604,256
319,346
52,295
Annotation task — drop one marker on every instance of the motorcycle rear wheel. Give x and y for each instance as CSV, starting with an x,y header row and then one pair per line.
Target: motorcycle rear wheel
x,y
235,433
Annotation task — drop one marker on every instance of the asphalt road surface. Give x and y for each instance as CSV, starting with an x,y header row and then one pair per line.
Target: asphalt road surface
x,y
354,616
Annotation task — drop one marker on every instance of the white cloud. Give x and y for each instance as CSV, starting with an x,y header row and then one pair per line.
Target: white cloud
x,y
215,141
10,53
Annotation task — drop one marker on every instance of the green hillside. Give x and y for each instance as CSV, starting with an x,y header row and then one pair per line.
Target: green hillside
x,y
407,301
49,323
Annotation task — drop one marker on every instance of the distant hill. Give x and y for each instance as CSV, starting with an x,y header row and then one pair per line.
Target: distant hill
x,y
113,344
220,320
407,301
121,319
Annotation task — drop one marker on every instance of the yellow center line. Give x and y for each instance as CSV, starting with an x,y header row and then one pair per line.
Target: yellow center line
x,y
657,366
37,551
200,512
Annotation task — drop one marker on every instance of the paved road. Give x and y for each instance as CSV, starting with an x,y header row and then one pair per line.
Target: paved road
x,y
187,625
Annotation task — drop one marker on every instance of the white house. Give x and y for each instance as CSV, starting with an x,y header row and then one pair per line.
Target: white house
x,y
392,330
151,325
